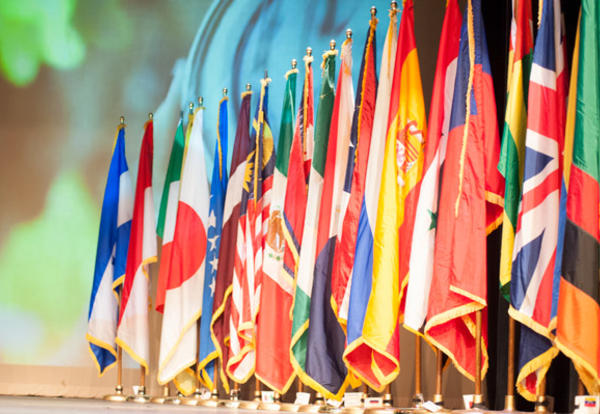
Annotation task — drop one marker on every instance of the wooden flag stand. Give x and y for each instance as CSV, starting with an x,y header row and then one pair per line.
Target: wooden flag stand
x,y
118,396
140,397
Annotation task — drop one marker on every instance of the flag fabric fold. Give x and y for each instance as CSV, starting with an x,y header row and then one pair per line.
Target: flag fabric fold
x,y
421,258
354,181
325,370
357,360
111,257
512,151
223,284
273,366
578,317
248,269
304,276
133,331
400,176
185,284
207,352
167,213
536,252
470,205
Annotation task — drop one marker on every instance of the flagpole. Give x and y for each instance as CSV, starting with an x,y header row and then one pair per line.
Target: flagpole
x,y
541,402
509,399
418,397
438,398
118,396
478,397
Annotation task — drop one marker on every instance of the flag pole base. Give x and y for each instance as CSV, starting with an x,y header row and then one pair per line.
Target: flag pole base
x,y
140,397
380,410
176,400
478,402
509,403
438,399
269,406
233,401
543,404
249,405
118,396
353,410
310,408
289,407
161,399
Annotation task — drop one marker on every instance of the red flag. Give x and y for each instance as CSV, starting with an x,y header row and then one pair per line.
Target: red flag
x,y
470,205
231,215
354,182
132,331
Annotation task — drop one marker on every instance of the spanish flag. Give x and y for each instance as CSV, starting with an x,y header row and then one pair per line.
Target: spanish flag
x,y
401,173
470,204
578,318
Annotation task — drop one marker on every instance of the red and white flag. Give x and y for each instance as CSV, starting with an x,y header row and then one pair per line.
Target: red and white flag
x,y
132,330
183,297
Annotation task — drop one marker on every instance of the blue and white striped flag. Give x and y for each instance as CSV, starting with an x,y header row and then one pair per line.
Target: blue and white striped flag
x,y
111,256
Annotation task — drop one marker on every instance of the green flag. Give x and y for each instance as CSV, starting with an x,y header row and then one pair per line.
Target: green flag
x,y
168,210
515,128
304,276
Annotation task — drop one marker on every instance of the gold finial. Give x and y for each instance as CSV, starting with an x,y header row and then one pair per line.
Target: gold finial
x,y
200,101
309,51
294,63
122,120
248,87
332,44
224,91
348,33
191,107
266,74
394,6
373,11
150,116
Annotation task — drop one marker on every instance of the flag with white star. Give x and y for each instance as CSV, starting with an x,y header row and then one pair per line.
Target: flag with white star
x,y
218,187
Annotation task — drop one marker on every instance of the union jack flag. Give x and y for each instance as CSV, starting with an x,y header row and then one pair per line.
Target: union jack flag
x,y
537,250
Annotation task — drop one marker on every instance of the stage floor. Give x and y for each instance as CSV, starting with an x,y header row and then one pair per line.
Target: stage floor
x,y
38,405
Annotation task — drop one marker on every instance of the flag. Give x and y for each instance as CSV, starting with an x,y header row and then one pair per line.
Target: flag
x,y
513,138
304,275
325,370
132,330
207,352
273,366
578,319
357,360
400,175
537,231
470,205
248,269
223,285
167,212
421,258
111,256
183,297
354,181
